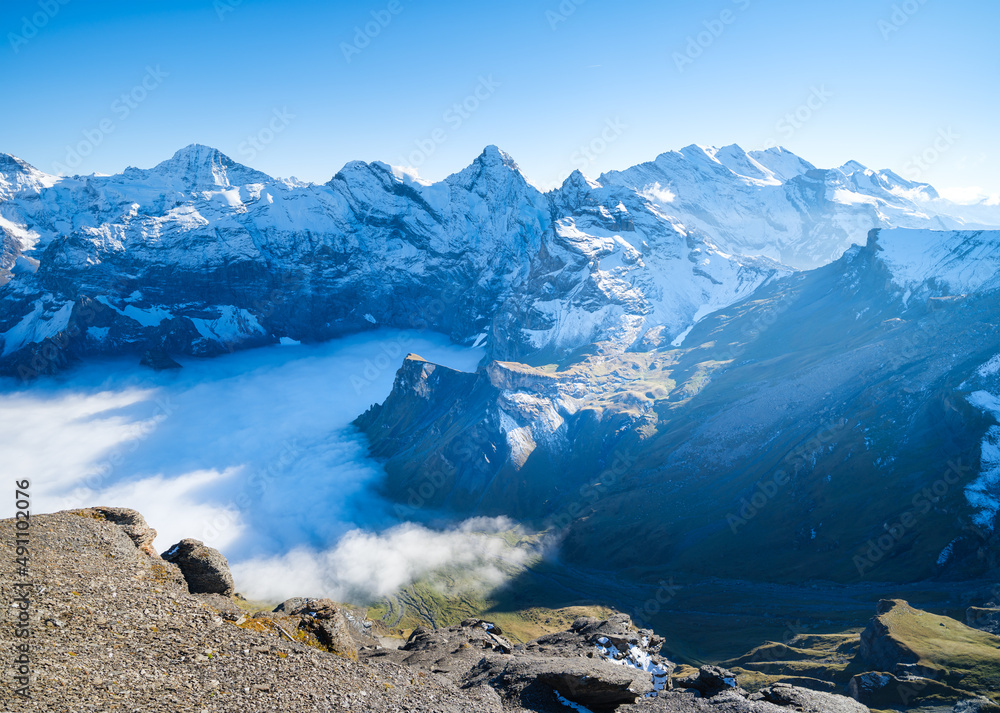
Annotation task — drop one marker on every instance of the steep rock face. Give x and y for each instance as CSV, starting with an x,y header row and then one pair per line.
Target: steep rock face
x,y
501,440
880,650
809,419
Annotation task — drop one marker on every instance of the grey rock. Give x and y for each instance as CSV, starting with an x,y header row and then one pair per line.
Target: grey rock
x,y
984,618
802,699
338,628
132,522
711,681
776,699
532,681
204,568
452,651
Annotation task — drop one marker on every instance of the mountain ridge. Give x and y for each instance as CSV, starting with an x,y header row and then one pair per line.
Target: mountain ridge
x,y
636,257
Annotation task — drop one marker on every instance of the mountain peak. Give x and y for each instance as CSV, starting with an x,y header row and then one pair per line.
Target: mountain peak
x,y
200,167
18,175
579,181
198,152
494,156
12,164
852,167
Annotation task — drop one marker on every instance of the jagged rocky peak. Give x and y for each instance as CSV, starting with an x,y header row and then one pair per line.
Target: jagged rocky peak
x,y
491,167
12,164
852,167
492,155
361,172
577,183
781,162
200,167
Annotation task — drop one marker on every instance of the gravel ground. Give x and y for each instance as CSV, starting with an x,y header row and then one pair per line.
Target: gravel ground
x,y
115,629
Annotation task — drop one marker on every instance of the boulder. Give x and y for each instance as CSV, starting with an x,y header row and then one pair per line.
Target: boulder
x,y
809,701
533,682
339,629
710,681
451,651
204,568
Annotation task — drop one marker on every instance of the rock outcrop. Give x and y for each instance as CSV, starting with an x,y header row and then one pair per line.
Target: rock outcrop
x,y
880,650
984,618
205,569
132,522
601,665
339,629
114,628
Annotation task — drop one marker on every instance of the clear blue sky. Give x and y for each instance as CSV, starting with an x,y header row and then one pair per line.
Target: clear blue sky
x,y
554,81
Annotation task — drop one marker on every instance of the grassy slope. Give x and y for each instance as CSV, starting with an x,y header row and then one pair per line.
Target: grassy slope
x,y
968,659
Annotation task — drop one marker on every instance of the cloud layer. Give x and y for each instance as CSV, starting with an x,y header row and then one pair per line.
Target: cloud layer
x,y
252,453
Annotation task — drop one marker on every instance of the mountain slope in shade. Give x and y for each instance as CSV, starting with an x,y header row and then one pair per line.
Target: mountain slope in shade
x,y
806,422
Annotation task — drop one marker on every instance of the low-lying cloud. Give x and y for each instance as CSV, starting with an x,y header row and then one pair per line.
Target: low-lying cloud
x,y
253,453
365,565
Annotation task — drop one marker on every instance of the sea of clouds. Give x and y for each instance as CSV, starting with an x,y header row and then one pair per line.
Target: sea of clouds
x,y
252,453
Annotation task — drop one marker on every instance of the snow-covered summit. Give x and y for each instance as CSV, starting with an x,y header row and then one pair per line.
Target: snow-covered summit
x,y
199,168
952,263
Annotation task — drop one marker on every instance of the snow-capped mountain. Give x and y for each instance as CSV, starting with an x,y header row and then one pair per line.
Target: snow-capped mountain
x,y
775,204
200,254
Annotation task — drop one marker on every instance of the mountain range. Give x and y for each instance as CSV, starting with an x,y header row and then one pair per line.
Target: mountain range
x,y
201,255
725,352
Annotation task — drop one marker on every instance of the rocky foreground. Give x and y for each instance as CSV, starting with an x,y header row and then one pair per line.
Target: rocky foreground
x,y
114,626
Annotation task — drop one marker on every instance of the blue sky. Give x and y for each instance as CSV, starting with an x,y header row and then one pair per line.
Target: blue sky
x,y
292,88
